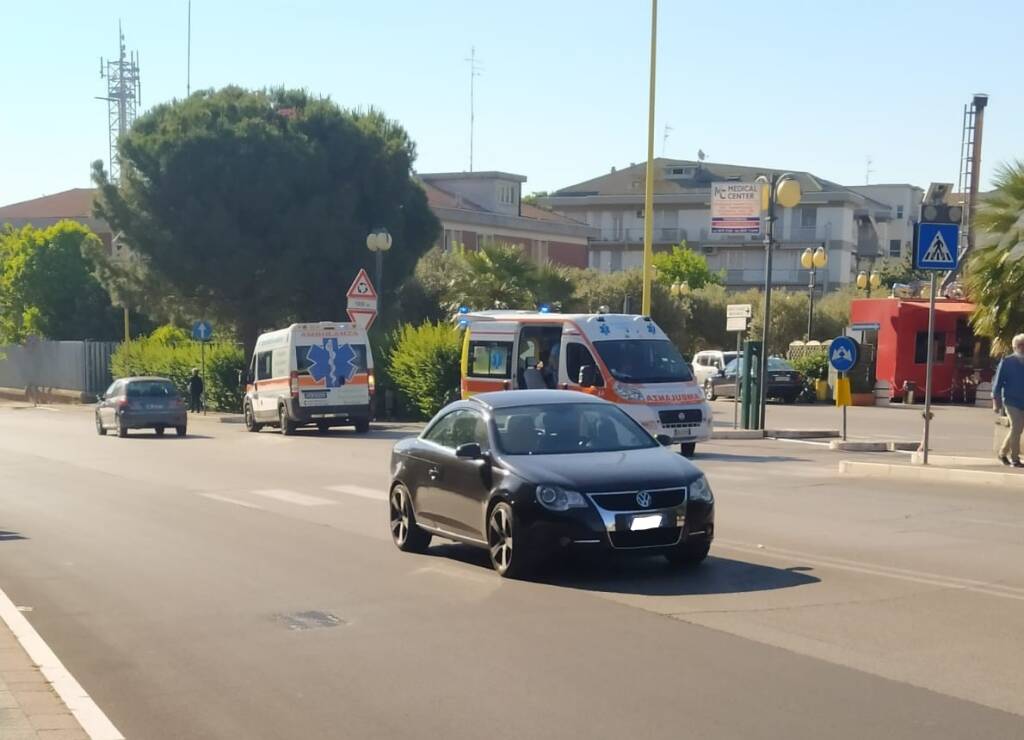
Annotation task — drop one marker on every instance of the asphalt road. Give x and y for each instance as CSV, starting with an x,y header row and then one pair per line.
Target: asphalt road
x,y
231,585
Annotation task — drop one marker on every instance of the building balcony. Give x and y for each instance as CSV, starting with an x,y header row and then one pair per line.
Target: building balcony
x,y
662,235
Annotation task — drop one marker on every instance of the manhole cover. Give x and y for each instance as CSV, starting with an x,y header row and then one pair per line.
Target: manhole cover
x,y
309,620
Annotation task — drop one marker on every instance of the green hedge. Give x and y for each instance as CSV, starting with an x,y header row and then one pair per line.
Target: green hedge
x,y
423,362
165,354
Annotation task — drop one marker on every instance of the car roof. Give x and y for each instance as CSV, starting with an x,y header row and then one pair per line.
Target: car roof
x,y
136,378
509,399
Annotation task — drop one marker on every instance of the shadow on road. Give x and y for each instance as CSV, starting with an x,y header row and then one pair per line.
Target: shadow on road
x,y
729,457
167,437
8,536
648,576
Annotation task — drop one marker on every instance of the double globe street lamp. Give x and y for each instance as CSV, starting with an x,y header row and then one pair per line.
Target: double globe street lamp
x,y
868,281
379,241
813,260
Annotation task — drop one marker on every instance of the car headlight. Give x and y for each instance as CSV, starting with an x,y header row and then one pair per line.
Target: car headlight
x,y
628,393
700,490
557,498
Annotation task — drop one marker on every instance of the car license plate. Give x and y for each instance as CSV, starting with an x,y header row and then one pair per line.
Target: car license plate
x,y
314,394
640,523
154,406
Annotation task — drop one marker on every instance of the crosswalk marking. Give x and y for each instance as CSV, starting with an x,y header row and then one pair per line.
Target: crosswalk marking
x,y
293,497
364,491
229,500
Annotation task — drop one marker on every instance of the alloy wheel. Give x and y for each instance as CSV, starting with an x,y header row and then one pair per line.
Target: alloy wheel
x,y
499,538
399,509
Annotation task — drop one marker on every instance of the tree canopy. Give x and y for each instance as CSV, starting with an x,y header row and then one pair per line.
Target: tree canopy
x,y
47,287
252,207
995,271
683,265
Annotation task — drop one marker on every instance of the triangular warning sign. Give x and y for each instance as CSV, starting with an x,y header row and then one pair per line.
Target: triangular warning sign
x,y
361,287
938,251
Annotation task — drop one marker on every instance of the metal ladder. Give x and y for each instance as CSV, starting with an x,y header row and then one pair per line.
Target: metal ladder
x,y
963,190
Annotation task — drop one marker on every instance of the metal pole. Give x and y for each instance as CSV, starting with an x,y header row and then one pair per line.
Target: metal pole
x,y
649,179
380,279
127,334
188,64
769,245
736,392
928,369
202,355
810,305
843,375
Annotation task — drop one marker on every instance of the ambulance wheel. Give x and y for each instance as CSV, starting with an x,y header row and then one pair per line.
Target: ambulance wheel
x,y
688,449
286,424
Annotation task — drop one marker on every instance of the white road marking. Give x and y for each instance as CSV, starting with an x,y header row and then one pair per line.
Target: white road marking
x,y
92,719
229,500
364,491
901,574
293,497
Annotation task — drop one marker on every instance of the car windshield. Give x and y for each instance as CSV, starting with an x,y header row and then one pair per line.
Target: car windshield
x,y
151,389
775,364
566,428
644,360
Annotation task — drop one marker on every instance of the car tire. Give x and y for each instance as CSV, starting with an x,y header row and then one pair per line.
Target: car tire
x,y
159,431
362,426
502,535
287,426
122,430
181,431
405,533
688,449
789,399
251,425
688,554
709,391
100,429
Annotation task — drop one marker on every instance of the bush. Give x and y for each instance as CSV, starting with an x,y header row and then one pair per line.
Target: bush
x,y
163,354
424,364
813,365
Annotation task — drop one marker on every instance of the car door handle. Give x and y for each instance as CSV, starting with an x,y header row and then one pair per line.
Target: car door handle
x,y
434,473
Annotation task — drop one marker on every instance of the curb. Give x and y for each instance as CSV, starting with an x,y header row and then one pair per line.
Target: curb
x,y
737,434
896,446
955,461
928,473
848,446
801,433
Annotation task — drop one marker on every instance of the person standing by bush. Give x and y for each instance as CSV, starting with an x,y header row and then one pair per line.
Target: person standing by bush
x,y
1008,393
195,392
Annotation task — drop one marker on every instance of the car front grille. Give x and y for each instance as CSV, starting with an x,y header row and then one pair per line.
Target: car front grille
x,y
626,501
661,537
680,417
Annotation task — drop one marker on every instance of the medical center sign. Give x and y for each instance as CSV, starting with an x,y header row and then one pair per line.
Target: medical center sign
x,y
735,208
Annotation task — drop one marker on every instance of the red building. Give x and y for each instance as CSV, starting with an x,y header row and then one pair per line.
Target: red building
x,y
899,330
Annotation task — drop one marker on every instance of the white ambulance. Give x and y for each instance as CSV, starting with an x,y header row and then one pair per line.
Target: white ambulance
x,y
310,374
622,358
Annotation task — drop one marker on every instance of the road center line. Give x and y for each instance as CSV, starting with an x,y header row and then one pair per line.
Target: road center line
x,y
364,491
92,719
853,566
229,500
293,497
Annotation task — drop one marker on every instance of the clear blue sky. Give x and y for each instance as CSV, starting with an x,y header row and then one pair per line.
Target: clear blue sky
x,y
562,98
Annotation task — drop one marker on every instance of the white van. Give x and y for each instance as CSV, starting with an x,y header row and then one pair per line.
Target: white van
x,y
621,358
318,374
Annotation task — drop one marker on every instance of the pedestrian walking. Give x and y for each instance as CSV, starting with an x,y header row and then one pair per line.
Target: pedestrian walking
x,y
1008,393
195,392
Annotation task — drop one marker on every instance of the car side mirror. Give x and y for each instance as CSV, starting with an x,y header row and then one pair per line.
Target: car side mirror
x,y
469,451
664,440
588,376
721,372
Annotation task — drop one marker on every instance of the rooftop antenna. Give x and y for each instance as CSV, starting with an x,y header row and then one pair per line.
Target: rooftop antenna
x,y
124,96
474,71
868,172
701,155
664,138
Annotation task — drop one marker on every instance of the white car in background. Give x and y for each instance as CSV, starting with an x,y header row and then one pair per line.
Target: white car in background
x,y
707,363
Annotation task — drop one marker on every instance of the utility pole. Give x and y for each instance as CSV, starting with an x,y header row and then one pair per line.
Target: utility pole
x,y
649,172
474,71
664,138
188,59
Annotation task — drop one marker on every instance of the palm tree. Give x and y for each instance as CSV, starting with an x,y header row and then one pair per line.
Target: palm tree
x,y
995,275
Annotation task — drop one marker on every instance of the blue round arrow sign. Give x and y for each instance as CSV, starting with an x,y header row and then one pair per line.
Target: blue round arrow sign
x,y
842,354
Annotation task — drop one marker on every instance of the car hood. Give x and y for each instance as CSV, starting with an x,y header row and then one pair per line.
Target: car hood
x,y
594,472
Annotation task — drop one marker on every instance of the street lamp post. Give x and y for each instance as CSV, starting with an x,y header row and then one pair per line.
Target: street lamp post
x,y
776,190
379,241
867,281
812,260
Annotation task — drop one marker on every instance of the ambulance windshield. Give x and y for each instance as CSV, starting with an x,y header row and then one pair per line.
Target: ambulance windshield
x,y
644,361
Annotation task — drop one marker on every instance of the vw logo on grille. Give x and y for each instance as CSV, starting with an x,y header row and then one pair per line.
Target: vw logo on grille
x,y
643,499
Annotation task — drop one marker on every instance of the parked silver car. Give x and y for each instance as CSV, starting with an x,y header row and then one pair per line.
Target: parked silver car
x,y
141,403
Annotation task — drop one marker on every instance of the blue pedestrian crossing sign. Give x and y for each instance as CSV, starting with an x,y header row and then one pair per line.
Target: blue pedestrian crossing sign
x,y
202,331
936,247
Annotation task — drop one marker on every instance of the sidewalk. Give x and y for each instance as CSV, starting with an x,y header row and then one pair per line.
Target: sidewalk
x,y
29,707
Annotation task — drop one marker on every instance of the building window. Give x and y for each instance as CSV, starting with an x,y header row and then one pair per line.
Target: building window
x,y
808,218
640,213
921,347
899,212
895,248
